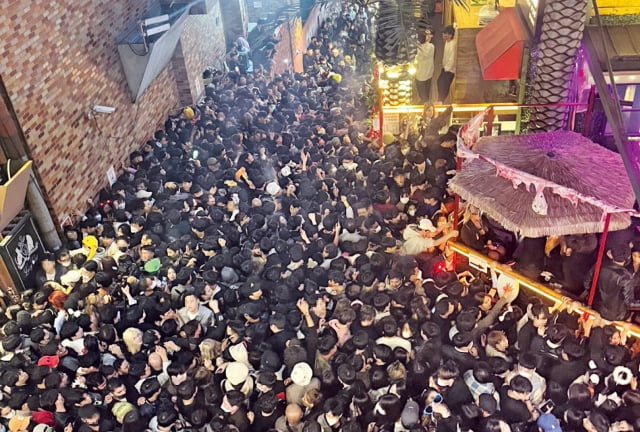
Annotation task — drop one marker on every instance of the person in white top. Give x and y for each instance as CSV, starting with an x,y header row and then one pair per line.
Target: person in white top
x,y
424,65
448,64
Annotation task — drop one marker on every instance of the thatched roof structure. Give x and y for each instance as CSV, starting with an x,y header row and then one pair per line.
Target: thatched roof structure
x,y
564,158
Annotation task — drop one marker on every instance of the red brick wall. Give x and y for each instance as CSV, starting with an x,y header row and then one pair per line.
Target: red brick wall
x,y
57,57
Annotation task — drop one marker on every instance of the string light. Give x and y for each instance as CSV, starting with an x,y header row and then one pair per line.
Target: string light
x,y
536,287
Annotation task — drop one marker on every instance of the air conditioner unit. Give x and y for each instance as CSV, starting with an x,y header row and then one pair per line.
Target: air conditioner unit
x,y
147,49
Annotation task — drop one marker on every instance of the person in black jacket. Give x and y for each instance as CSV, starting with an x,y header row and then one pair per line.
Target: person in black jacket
x,y
49,271
614,289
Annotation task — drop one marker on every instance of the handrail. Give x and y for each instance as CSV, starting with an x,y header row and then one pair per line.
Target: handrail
x,y
532,285
497,107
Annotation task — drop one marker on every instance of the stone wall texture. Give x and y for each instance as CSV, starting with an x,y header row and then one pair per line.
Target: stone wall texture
x,y
58,57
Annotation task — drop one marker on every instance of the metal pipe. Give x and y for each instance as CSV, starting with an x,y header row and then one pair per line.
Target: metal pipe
x,y
596,273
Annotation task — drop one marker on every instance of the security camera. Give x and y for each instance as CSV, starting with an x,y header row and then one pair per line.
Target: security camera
x,y
102,109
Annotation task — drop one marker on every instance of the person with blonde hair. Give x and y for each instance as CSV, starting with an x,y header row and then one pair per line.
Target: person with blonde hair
x,y
311,401
397,371
132,338
210,352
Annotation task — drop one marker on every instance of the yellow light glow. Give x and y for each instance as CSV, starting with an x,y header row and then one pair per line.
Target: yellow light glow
x,y
505,108
532,285
411,70
392,74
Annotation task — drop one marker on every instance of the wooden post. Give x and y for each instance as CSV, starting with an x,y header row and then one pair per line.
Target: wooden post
x,y
596,273
490,121
589,112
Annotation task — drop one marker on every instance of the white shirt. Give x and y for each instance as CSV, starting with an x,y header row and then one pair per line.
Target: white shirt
x,y
394,341
424,61
449,56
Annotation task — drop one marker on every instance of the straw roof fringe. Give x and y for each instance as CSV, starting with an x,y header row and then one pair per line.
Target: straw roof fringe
x,y
565,158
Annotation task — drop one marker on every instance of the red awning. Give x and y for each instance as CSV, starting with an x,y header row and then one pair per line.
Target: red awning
x,y
500,47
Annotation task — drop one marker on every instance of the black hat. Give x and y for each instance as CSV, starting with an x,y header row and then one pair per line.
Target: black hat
x,y
167,417
253,309
416,158
199,224
620,253
249,288
283,294
48,257
270,360
272,273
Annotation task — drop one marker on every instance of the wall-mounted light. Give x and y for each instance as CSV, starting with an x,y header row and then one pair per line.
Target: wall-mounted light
x,y
101,109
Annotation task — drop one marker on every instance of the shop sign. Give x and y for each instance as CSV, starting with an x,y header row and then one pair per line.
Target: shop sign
x,y
22,250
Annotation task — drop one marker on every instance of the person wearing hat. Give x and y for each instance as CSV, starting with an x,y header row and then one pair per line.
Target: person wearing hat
x,y
421,237
301,380
238,378
548,423
88,249
152,266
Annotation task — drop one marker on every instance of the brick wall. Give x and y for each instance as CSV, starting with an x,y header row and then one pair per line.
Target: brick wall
x,y
257,9
202,44
57,57
235,19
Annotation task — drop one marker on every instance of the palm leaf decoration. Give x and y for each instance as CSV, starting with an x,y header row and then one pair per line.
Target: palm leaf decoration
x,y
462,3
397,25
396,22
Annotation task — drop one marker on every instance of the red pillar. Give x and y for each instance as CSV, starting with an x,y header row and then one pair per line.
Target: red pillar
x,y
596,273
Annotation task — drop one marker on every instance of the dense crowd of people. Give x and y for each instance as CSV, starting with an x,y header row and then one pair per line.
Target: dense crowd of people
x,y
264,266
